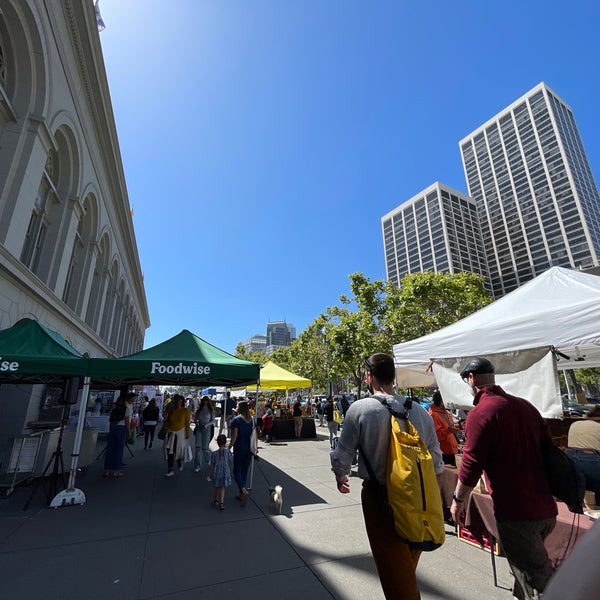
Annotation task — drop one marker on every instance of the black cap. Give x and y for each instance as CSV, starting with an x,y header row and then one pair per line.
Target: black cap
x,y
131,395
477,366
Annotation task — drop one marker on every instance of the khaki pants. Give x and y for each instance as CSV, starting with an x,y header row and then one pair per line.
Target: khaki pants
x,y
396,562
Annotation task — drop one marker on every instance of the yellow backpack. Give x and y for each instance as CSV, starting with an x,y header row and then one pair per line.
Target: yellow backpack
x,y
412,491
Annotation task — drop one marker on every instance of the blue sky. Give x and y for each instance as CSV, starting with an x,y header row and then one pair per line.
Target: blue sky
x,y
263,140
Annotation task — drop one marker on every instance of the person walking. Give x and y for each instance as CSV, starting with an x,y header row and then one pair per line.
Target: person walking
x,y
220,461
150,418
367,426
504,435
202,433
331,423
445,429
177,426
241,432
115,444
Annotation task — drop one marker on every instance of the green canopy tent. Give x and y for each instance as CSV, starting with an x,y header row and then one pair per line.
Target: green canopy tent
x,y
184,359
32,353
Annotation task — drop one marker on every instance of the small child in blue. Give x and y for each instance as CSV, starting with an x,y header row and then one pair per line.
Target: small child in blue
x,y
221,472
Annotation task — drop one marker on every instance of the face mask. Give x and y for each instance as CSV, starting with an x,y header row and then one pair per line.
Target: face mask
x,y
471,389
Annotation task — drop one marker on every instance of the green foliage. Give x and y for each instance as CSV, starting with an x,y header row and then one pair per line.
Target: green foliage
x,y
378,315
252,356
588,377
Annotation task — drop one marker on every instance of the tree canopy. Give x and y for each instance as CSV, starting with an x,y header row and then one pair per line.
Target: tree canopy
x,y
375,316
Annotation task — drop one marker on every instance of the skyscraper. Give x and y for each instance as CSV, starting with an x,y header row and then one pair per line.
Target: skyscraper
x,y
537,202
279,333
436,230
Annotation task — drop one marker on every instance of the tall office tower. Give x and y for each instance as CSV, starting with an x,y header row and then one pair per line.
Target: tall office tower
x,y
257,343
279,333
436,230
536,198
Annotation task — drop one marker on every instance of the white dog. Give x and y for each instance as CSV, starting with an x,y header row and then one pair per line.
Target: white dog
x,y
276,499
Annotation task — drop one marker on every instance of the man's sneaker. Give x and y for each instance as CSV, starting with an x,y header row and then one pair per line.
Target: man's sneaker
x,y
197,470
169,474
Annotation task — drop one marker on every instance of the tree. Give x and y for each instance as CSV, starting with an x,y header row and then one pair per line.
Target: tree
x,y
253,356
426,302
378,315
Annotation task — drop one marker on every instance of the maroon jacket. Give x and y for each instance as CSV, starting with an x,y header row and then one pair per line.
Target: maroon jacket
x,y
503,437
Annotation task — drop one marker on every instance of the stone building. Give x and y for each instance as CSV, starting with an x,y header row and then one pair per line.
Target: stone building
x,y
68,253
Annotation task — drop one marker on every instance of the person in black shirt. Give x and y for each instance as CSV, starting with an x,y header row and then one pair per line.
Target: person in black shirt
x,y
297,414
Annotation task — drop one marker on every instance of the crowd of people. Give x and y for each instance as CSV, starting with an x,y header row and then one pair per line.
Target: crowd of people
x,y
501,431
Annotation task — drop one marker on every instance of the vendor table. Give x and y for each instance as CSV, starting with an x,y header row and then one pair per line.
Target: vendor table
x,y
283,429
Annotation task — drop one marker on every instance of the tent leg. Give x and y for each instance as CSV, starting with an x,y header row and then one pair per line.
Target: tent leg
x,y
72,495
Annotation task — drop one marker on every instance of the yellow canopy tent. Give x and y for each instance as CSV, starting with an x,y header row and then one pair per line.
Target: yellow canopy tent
x,y
274,377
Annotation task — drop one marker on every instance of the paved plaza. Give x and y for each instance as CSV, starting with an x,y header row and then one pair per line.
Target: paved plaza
x,y
145,536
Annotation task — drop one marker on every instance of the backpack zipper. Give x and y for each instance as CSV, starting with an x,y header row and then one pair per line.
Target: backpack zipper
x,y
422,486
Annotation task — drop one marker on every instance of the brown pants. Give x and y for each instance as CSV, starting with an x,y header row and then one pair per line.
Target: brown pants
x,y
396,562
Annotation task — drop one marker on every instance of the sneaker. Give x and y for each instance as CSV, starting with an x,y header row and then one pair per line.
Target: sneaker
x,y
169,474
150,446
197,470
181,467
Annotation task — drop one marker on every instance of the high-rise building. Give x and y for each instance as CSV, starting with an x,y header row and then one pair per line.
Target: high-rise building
x,y
436,230
279,333
257,343
536,198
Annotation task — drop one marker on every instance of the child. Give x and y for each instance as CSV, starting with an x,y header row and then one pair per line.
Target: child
x,y
267,425
221,473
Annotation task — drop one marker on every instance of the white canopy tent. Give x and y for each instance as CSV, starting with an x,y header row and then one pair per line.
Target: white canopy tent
x,y
559,309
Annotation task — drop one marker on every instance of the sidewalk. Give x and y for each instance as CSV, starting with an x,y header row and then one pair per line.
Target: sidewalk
x,y
144,536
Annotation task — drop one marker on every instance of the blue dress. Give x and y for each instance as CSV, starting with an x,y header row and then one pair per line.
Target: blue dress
x,y
219,460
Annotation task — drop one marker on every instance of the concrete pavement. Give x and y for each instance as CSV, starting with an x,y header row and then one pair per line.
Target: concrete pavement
x,y
144,536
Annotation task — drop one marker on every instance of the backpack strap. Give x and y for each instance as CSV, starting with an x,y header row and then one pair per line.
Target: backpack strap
x,y
403,415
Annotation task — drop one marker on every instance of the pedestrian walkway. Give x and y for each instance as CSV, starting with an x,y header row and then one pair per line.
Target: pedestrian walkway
x,y
145,536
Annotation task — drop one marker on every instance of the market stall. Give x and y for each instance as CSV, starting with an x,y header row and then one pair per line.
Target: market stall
x,y
546,325
34,354
274,377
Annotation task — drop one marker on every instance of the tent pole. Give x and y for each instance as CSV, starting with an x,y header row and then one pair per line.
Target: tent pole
x,y
253,457
72,495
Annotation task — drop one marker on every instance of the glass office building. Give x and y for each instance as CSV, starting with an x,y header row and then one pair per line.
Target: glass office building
x,y
436,230
536,198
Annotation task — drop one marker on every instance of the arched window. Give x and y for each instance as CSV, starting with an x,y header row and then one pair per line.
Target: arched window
x,y
38,222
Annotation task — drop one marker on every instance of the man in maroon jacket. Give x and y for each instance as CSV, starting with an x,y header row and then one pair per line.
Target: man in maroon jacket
x,y
503,438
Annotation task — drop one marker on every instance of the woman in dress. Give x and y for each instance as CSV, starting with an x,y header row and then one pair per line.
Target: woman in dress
x,y
202,433
177,425
221,474
115,445
241,432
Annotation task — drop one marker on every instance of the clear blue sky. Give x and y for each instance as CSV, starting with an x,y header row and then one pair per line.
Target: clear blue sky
x,y
263,140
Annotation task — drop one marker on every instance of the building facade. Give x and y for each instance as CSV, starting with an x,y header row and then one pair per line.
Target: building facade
x,y
257,343
68,254
436,230
279,334
536,198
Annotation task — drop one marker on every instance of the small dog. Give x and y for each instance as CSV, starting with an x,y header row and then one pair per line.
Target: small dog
x,y
276,499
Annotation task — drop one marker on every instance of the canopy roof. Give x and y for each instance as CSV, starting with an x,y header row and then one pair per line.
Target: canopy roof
x,y
30,352
184,359
274,377
558,308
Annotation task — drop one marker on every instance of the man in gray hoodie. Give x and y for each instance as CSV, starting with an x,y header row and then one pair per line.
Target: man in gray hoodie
x,y
367,425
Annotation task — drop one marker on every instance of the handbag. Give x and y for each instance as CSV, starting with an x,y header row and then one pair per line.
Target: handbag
x,y
564,480
162,434
253,439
